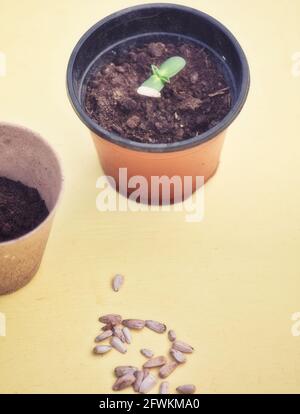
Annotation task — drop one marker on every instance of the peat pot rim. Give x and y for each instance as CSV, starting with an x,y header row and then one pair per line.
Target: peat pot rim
x,y
38,137
175,146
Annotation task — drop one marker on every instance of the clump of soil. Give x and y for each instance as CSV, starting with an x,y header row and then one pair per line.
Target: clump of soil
x,y
194,101
21,209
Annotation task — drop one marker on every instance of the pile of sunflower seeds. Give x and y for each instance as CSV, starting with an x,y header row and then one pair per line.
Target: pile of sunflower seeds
x,y
117,331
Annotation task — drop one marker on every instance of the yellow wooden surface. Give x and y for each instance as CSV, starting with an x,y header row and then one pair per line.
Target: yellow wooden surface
x,y
228,285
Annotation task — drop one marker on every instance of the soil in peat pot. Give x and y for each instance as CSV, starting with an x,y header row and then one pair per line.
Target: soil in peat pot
x,y
195,100
21,209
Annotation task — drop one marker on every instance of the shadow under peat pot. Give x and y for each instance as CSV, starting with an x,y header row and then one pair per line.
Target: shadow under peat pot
x,y
180,133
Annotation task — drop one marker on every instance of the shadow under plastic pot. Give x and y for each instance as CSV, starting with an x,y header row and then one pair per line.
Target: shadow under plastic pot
x,y
26,157
197,156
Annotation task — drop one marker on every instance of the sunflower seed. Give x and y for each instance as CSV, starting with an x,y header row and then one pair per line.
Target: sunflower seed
x,y
183,347
167,369
123,382
103,336
108,327
111,319
178,356
133,323
117,282
118,332
127,335
124,369
147,384
172,335
155,362
156,326
101,349
118,344
147,353
146,372
186,389
164,388
139,375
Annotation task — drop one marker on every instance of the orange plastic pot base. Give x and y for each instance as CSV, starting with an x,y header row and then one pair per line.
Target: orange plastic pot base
x,y
175,196
200,161
187,165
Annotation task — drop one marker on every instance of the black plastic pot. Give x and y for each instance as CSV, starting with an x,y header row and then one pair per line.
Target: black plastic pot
x,y
195,156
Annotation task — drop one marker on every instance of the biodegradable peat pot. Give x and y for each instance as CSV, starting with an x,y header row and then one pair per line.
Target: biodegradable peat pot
x,y
197,156
26,157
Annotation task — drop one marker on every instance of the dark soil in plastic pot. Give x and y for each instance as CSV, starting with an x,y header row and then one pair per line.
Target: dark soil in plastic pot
x,y
195,100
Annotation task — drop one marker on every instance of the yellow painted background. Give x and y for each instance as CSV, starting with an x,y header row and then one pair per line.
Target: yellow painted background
x,y
228,285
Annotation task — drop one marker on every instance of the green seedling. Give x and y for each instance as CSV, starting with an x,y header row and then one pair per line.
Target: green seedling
x,y
160,76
